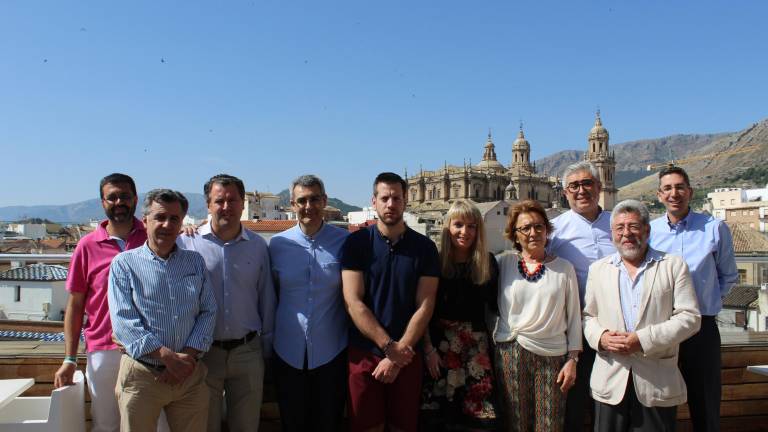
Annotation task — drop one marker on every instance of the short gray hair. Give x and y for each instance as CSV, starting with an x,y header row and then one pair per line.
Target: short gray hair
x,y
631,206
164,196
307,181
577,167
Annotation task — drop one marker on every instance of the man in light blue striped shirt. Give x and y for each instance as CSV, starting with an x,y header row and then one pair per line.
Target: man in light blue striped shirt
x,y
163,312
238,263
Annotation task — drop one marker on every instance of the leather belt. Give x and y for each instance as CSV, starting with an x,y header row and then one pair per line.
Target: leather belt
x,y
231,344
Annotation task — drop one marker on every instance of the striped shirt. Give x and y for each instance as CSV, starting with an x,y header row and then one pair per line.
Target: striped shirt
x,y
631,291
155,302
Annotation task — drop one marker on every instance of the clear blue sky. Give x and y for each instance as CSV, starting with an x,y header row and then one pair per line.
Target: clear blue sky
x,y
174,92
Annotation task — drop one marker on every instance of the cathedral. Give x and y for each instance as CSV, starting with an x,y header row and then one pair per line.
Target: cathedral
x,y
489,180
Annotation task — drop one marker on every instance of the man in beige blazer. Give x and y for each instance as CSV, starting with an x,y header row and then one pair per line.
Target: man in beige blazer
x,y
639,305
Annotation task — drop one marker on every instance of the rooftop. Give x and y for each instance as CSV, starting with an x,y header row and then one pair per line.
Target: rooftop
x,y
36,272
747,240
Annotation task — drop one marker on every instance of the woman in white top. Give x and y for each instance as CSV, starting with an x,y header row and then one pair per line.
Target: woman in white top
x,y
538,333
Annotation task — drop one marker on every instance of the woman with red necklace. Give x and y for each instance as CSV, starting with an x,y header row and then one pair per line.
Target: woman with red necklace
x,y
538,333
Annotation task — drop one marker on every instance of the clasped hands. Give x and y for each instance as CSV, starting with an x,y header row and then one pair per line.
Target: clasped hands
x,y
398,356
178,365
620,342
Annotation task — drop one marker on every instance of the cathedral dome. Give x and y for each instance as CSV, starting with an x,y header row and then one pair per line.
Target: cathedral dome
x,y
489,161
521,142
598,131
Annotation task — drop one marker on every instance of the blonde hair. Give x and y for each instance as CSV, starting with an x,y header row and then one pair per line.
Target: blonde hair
x,y
479,260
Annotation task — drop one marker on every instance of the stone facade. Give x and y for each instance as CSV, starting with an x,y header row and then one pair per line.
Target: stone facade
x,y
489,180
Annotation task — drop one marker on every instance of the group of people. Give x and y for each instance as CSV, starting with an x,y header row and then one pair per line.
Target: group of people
x,y
380,325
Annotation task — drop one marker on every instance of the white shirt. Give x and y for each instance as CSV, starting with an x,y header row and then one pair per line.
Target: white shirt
x,y
544,316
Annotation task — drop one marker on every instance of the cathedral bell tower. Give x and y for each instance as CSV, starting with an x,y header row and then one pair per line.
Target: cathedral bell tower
x,y
604,160
521,155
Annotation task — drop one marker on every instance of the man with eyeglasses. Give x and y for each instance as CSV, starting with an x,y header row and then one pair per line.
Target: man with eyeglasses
x,y
87,285
639,306
238,263
707,246
582,235
311,325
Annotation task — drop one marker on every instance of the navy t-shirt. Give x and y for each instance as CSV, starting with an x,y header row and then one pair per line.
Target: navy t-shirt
x,y
391,273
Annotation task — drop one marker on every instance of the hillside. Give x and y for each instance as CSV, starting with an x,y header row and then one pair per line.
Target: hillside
x,y
742,169
285,201
633,156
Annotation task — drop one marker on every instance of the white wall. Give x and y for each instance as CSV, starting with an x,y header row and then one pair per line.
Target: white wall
x,y
33,295
358,217
33,231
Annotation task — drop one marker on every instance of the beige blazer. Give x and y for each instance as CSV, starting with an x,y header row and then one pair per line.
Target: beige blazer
x,y
668,315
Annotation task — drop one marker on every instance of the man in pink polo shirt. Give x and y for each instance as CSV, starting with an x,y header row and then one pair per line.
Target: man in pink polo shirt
x,y
87,286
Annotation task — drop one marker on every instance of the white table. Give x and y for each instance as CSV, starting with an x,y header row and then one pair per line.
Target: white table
x,y
760,369
10,388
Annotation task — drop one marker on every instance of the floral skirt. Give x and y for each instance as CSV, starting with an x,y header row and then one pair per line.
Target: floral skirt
x,y
466,378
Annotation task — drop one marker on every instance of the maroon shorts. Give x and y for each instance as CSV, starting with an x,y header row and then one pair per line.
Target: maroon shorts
x,y
373,403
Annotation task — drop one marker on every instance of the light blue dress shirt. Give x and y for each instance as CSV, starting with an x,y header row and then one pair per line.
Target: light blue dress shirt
x,y
581,242
707,247
241,281
631,292
311,317
155,302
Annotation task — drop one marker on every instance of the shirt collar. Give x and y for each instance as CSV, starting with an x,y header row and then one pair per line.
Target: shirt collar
x,y
147,251
206,230
683,222
103,235
650,255
600,214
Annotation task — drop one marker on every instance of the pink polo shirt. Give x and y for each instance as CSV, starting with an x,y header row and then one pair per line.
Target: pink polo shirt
x,y
89,273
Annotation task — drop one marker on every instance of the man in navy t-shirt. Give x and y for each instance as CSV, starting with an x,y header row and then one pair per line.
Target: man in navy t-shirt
x,y
390,274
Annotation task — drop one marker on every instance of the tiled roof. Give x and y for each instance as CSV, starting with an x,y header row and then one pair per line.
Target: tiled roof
x,y
269,225
30,335
35,272
741,296
747,240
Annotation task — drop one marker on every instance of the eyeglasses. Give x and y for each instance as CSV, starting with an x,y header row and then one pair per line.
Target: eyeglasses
x,y
312,200
538,227
679,188
631,228
113,198
574,186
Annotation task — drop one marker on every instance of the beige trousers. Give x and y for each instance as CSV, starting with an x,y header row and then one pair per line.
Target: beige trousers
x,y
235,377
140,399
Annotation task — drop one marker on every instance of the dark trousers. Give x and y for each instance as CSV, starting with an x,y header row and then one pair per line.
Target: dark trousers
x,y
631,415
700,364
579,399
312,399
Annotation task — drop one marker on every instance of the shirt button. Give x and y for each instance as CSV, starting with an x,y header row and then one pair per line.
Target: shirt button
x,y
175,317
226,310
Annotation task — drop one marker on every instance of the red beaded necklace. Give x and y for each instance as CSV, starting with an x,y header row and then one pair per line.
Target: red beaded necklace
x,y
530,276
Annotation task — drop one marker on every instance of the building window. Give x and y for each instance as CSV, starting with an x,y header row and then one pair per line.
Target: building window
x,y
751,212
722,202
743,212
17,293
742,276
740,319
733,201
505,210
733,213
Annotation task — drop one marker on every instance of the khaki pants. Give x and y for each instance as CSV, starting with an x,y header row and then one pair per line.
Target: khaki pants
x,y
235,376
140,399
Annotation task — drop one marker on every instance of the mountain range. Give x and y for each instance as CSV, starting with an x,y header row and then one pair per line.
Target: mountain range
x,y
723,159
85,211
